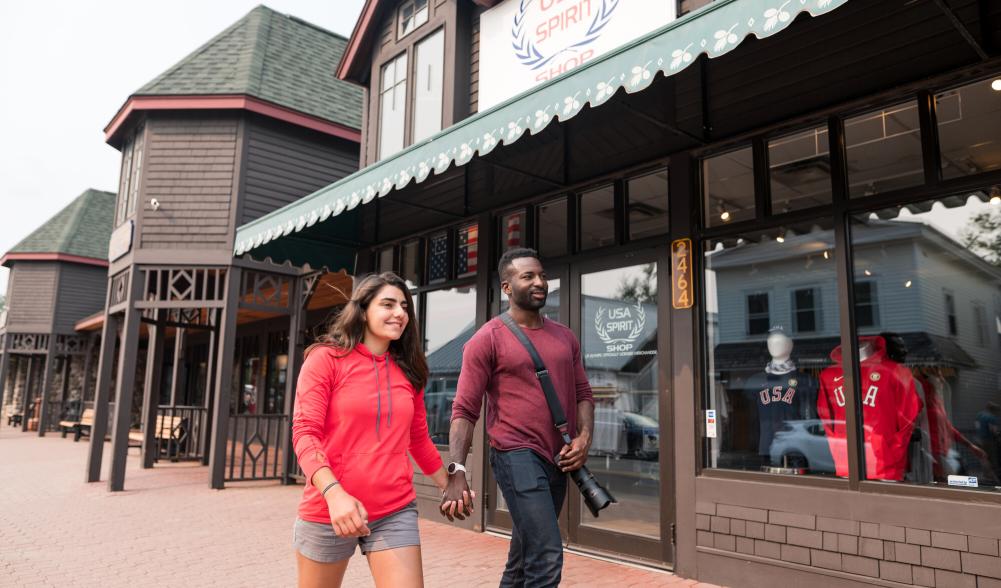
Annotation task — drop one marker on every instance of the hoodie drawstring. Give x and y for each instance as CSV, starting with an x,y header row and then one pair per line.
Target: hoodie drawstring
x,y
378,395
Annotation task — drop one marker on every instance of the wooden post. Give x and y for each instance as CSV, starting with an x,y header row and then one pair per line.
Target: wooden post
x,y
26,400
87,365
125,384
175,373
4,364
43,412
225,341
105,361
296,311
206,429
151,390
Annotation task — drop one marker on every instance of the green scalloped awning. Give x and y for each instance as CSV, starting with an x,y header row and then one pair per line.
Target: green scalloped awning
x,y
715,30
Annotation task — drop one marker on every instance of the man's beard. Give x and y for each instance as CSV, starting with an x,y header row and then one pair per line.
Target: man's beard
x,y
524,300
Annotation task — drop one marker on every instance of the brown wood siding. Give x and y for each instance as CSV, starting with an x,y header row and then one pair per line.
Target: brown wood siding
x,y
387,35
81,294
283,164
474,65
190,167
32,287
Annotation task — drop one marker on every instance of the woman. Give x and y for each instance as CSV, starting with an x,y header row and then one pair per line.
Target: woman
x,y
359,409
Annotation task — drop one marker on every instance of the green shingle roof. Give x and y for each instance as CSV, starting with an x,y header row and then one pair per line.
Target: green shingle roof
x,y
82,228
273,57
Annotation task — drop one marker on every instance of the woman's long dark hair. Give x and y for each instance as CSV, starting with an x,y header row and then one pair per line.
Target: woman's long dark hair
x,y
348,329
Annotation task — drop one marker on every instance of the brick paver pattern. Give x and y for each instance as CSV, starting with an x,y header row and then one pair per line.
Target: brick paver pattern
x,y
169,528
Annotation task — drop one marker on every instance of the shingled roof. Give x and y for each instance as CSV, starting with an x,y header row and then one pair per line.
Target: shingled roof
x,y
270,56
81,229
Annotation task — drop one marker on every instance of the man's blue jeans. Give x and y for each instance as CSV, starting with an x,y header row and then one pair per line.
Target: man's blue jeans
x,y
534,490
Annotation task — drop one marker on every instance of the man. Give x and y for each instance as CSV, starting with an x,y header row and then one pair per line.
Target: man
x,y
528,457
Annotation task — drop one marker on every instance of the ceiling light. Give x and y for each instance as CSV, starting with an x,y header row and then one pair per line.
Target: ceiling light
x,y
996,85
995,200
868,273
907,284
780,239
725,217
826,255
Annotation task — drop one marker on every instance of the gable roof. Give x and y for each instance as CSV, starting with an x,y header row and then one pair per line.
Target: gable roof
x,y
80,230
273,57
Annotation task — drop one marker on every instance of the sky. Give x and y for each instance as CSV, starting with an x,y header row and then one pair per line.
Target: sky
x,y
65,69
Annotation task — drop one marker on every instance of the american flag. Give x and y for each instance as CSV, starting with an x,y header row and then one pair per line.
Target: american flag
x,y
466,259
438,258
513,231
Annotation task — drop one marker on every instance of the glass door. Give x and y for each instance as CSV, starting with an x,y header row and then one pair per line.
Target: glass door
x,y
615,316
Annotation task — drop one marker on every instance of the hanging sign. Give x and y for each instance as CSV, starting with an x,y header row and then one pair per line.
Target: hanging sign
x,y
682,293
533,41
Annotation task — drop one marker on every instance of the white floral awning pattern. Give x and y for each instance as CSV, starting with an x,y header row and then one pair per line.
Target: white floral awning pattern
x,y
714,30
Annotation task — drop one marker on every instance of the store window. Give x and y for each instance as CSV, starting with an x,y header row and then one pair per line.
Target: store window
x,y
800,170
553,228
438,256
392,106
512,230
763,373
429,65
467,247
728,186
806,310
386,259
647,205
411,263
450,321
884,150
929,391
597,217
413,14
969,128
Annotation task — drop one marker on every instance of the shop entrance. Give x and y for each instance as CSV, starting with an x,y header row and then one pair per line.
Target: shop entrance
x,y
612,306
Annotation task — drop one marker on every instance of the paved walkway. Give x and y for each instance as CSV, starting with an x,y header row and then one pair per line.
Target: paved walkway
x,y
169,528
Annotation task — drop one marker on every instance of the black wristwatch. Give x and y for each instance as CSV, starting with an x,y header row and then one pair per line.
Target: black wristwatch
x,y
455,467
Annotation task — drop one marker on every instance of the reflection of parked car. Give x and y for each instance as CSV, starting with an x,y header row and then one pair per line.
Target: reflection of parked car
x,y
642,436
802,444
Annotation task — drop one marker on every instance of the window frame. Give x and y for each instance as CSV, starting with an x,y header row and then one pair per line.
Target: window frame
x,y
951,318
817,309
747,294
400,34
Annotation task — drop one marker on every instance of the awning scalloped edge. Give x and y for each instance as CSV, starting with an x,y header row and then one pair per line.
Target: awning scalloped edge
x,y
714,30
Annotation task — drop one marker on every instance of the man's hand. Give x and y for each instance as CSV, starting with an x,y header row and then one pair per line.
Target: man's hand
x,y
573,456
457,500
347,515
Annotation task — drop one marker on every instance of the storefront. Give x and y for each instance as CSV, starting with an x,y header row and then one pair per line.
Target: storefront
x,y
716,234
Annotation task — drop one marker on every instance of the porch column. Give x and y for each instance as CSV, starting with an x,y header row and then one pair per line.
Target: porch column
x,y
125,384
64,393
151,390
87,366
175,374
206,429
225,341
26,397
297,311
4,364
43,412
105,360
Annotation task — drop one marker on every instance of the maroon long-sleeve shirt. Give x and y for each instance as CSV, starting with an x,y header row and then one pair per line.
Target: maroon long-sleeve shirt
x,y
496,364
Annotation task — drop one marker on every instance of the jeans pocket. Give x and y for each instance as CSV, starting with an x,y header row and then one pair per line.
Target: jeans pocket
x,y
526,473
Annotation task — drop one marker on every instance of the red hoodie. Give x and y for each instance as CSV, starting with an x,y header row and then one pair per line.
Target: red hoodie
x,y
889,406
360,415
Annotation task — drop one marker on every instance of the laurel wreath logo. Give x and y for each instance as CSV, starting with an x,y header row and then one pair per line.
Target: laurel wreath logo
x,y
528,54
637,330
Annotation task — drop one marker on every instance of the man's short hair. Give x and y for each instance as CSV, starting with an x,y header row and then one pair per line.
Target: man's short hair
x,y
510,255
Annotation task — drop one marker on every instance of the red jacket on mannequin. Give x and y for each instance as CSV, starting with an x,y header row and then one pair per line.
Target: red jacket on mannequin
x,y
890,404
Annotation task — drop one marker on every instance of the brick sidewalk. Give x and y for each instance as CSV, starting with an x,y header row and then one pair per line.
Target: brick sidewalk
x,y
168,527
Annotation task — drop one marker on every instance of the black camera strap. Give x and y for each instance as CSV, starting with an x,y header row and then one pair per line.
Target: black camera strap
x,y
555,408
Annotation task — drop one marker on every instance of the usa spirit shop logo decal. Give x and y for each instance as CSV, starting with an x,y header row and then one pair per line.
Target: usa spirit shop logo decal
x,y
553,36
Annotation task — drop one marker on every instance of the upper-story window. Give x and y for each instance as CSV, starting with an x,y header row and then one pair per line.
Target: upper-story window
x,y
413,14
392,105
428,78
128,187
950,313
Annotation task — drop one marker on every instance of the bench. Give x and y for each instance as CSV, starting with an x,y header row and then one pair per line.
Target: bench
x,y
78,427
169,431
13,417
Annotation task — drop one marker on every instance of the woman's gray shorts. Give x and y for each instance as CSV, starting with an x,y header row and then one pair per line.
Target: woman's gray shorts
x,y
318,542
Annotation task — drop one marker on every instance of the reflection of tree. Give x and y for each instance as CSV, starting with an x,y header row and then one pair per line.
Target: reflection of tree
x,y
641,288
983,235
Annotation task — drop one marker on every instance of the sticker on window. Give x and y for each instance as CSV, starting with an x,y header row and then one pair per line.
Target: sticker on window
x,y
964,481
711,424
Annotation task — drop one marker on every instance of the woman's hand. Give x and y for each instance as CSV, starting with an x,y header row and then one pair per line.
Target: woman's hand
x,y
347,515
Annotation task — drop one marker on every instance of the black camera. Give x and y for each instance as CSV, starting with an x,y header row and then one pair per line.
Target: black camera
x,y
596,497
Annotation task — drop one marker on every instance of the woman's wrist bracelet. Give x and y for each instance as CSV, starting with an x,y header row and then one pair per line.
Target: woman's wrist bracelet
x,y
323,492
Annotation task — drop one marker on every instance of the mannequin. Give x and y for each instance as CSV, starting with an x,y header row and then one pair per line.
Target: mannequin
x,y
781,392
890,406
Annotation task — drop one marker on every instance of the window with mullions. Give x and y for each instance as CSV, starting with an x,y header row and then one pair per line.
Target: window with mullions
x,y
969,128
762,375
800,170
597,217
413,14
728,187
128,186
647,205
392,105
512,230
928,390
883,150
553,237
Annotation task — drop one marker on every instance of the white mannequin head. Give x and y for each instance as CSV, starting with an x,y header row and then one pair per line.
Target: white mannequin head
x,y
779,344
